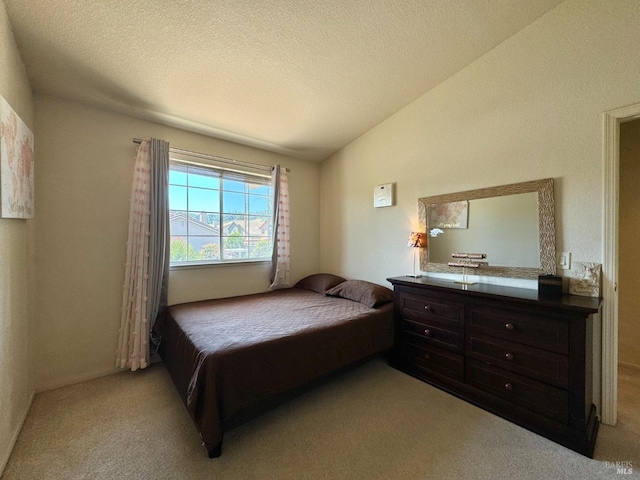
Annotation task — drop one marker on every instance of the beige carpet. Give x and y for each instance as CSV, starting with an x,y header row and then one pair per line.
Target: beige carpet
x,y
371,423
623,441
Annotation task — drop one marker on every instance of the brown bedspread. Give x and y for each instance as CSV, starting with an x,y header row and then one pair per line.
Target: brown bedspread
x,y
229,354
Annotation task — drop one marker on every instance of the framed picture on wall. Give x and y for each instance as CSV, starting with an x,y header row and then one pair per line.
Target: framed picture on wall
x,y
383,195
16,164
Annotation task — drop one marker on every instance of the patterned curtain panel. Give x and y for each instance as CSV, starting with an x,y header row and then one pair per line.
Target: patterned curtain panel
x,y
281,246
146,271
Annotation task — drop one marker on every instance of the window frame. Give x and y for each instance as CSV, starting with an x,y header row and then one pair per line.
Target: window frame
x,y
242,174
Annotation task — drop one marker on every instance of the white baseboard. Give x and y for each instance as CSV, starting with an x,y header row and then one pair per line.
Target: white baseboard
x,y
65,382
14,437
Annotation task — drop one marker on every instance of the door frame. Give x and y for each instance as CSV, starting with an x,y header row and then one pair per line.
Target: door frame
x,y
611,154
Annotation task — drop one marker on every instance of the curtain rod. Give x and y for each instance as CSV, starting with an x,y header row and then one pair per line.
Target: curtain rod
x,y
256,166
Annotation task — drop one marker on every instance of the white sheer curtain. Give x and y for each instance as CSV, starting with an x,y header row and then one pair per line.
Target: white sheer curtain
x,y
281,246
144,291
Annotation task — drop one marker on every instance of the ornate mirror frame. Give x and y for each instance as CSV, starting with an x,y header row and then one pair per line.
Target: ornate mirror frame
x,y
546,220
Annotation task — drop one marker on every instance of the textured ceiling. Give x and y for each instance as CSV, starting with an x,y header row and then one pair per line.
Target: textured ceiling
x,y
301,77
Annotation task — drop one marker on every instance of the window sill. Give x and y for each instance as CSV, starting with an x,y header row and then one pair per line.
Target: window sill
x,y
239,263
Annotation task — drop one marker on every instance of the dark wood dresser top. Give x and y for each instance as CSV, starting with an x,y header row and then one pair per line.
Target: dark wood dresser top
x,y
522,295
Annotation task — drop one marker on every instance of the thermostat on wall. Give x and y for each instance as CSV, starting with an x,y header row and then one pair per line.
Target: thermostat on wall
x,y
383,195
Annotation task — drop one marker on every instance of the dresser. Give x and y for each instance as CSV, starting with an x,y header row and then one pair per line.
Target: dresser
x,y
523,357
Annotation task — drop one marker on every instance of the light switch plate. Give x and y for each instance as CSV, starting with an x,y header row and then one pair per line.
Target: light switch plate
x,y
564,260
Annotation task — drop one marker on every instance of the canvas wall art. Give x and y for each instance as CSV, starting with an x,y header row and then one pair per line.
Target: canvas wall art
x,y
16,164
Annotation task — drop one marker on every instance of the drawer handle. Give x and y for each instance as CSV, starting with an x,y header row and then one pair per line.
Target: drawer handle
x,y
428,308
427,332
509,326
508,356
508,387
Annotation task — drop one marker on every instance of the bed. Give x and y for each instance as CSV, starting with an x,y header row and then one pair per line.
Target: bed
x,y
232,357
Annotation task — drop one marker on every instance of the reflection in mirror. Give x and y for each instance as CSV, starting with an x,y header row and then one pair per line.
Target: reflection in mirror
x,y
512,224
505,228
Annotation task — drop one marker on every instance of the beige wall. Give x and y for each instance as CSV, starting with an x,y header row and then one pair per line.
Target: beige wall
x,y
629,249
16,265
529,109
83,184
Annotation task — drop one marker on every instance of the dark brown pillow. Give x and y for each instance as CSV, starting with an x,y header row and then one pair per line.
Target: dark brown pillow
x,y
367,293
320,282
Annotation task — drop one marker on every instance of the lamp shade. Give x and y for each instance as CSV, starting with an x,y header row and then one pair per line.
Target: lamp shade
x,y
417,239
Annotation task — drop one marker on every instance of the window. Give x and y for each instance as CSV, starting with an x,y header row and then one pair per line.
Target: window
x,y
218,215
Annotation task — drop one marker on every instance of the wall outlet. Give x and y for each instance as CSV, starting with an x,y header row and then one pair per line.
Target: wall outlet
x,y
564,260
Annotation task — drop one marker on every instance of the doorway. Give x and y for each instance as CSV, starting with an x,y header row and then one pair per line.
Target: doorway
x,y
610,322
628,299
628,251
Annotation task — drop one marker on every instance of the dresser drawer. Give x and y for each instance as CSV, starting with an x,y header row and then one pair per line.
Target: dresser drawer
x,y
535,363
540,332
536,396
434,359
422,308
426,334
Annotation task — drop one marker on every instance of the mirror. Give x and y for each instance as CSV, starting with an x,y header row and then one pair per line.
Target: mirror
x,y
513,224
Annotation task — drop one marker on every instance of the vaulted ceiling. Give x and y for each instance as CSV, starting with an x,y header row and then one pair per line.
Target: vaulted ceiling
x,y
300,77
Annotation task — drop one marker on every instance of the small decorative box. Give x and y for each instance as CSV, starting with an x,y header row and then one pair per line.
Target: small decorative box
x,y
550,285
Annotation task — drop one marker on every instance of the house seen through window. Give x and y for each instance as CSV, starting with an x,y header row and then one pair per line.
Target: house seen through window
x,y
218,215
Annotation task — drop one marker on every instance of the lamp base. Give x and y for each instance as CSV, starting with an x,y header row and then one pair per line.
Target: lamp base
x,y
413,276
